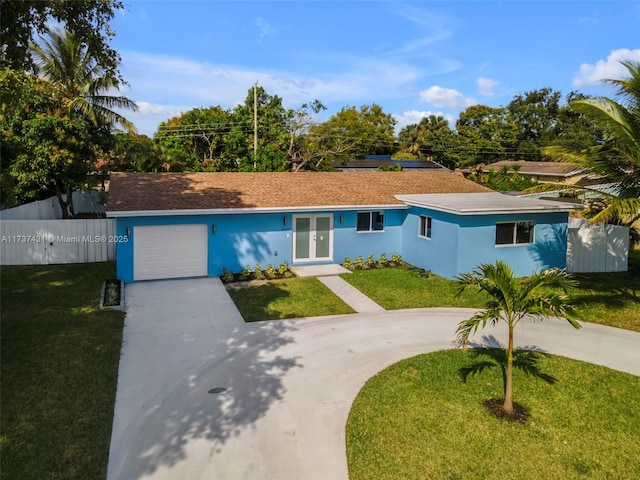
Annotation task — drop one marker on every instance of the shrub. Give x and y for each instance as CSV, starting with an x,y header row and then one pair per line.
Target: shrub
x,y
359,264
348,264
245,273
227,276
396,258
283,268
270,271
422,273
371,261
258,272
382,261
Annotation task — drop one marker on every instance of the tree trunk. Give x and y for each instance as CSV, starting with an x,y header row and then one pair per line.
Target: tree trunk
x,y
508,389
65,205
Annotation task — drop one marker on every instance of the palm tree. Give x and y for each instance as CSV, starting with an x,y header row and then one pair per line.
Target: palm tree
x,y
510,300
617,159
81,83
82,88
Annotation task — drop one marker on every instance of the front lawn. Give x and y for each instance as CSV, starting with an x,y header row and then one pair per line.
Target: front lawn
x,y
417,419
290,298
59,365
397,288
611,299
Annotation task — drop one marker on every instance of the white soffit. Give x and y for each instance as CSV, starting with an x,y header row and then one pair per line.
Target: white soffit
x,y
485,203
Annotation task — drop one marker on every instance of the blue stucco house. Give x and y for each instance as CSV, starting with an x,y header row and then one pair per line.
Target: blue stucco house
x,y
172,225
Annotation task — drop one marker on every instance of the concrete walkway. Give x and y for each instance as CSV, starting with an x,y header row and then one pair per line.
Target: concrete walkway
x,y
203,395
351,295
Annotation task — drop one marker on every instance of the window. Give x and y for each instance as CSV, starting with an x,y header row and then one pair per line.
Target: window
x,y
514,232
370,222
425,226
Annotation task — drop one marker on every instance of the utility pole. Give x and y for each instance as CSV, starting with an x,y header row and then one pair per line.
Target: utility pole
x,y
255,125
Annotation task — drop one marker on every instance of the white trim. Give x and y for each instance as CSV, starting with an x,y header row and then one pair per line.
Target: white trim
x,y
312,242
371,229
515,234
428,220
504,204
233,211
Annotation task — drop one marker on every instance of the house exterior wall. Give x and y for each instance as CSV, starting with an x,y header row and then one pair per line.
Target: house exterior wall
x,y
250,238
439,253
459,243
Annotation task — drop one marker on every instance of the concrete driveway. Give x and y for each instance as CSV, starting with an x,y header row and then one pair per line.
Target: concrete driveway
x,y
202,395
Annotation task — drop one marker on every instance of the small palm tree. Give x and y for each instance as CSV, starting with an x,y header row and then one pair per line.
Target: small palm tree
x,y
510,300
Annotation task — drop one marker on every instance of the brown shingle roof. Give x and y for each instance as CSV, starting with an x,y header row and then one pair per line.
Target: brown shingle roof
x,y
186,191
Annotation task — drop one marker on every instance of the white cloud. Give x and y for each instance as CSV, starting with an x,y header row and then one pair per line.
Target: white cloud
x,y
161,80
487,86
414,116
445,98
605,69
265,28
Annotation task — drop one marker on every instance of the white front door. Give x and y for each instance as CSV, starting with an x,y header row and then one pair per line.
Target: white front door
x,y
312,237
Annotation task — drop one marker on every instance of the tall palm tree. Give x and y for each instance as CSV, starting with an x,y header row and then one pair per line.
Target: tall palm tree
x,y
617,158
82,84
510,300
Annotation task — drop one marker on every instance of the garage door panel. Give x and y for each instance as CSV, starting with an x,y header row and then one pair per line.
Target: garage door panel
x,y
170,251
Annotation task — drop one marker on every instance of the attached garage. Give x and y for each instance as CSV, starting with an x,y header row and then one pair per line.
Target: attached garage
x,y
169,251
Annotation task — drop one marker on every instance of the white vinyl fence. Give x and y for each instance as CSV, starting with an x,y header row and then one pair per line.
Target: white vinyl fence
x,y
83,202
44,242
597,248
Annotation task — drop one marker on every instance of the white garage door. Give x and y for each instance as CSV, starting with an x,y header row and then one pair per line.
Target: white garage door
x,y
169,251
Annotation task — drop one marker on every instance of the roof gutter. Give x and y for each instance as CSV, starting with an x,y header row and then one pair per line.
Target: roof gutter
x,y
569,207
245,210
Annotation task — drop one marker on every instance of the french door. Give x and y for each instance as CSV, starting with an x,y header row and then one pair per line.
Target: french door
x,y
312,237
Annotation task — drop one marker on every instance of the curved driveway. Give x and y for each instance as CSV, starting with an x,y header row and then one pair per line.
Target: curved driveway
x,y
202,395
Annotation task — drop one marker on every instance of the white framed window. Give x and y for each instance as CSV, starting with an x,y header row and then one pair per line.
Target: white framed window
x,y
425,226
370,222
512,233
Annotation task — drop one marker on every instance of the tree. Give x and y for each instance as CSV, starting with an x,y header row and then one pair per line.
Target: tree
x,y
71,126
534,113
82,85
301,153
23,98
617,158
137,153
195,140
512,299
88,20
506,179
490,134
355,132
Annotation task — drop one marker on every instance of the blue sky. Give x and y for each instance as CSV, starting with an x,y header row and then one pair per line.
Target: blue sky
x,y
412,58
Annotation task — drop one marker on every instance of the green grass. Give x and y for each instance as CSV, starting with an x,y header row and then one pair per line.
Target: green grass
x,y
290,298
417,419
611,299
59,365
397,288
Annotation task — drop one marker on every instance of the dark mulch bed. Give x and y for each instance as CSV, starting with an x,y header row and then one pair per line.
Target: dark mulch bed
x,y
494,406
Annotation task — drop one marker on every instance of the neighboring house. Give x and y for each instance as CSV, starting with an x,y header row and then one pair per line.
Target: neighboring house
x,y
545,172
173,225
374,162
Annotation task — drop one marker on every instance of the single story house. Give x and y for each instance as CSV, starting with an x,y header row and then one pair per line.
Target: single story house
x,y
172,225
375,162
544,172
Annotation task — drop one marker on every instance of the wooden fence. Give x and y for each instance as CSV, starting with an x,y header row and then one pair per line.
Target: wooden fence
x,y
597,248
45,242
